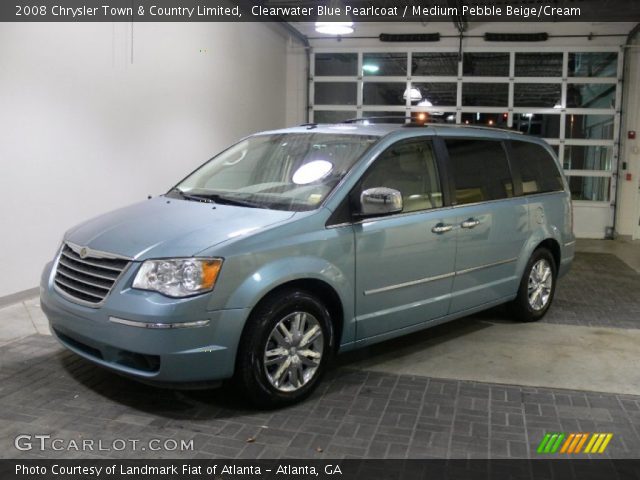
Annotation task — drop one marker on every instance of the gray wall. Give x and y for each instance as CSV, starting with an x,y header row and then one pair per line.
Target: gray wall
x,y
89,123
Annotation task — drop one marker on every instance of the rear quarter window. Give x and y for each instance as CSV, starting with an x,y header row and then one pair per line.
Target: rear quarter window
x,y
538,169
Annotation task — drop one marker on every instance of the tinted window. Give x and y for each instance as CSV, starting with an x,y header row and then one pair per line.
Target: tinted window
x,y
486,64
409,167
434,64
336,64
480,170
335,93
384,64
485,94
537,168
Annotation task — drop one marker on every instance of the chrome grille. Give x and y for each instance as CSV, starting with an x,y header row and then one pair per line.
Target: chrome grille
x,y
87,280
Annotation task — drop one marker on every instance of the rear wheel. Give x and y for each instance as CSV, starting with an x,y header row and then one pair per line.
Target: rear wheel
x,y
285,348
537,287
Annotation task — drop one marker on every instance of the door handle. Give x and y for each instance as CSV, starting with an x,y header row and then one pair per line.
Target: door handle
x,y
442,228
470,223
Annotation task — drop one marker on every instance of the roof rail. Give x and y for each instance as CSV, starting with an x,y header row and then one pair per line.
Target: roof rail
x,y
411,123
460,125
380,117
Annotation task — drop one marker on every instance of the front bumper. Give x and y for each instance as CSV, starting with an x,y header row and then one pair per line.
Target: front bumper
x,y
162,356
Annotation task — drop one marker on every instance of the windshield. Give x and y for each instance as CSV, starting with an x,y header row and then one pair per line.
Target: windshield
x,y
289,171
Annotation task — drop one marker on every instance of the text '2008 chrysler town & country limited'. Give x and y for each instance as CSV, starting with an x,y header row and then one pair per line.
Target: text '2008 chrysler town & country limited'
x,y
295,244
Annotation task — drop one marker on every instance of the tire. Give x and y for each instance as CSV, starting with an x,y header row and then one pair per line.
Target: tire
x,y
529,306
274,368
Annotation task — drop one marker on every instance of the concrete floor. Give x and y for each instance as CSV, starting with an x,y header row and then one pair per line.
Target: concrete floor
x,y
483,349
533,354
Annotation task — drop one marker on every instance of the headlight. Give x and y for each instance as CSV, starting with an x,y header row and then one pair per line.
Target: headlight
x,y
178,277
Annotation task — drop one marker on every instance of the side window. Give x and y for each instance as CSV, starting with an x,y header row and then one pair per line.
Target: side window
x,y
480,170
409,167
537,168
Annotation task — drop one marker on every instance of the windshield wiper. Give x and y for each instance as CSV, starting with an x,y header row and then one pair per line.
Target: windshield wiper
x,y
217,198
195,198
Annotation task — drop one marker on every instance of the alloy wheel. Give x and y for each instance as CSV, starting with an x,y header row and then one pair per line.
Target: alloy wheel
x,y
540,283
294,351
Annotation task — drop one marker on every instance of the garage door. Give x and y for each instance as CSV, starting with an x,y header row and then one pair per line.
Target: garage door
x,y
568,96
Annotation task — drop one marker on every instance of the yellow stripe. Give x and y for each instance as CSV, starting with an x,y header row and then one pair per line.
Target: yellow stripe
x,y
605,443
566,443
584,439
591,442
574,443
598,442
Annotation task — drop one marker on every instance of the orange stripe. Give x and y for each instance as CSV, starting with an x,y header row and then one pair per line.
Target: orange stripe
x,y
584,439
567,442
574,443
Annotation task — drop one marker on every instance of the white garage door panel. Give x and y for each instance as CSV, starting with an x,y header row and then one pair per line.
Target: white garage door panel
x,y
589,219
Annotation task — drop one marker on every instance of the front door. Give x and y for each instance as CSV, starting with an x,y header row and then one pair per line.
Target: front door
x,y
404,261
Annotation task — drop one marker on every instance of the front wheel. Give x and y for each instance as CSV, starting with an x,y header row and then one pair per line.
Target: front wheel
x,y
285,348
537,287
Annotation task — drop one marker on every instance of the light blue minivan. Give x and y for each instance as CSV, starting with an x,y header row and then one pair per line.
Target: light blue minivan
x,y
295,244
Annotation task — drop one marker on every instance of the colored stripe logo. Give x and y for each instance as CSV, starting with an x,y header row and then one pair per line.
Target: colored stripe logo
x,y
574,443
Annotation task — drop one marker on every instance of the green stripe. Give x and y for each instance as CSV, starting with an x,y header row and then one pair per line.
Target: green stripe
x,y
543,443
550,443
558,442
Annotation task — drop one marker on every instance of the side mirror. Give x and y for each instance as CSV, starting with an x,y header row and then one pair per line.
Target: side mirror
x,y
380,201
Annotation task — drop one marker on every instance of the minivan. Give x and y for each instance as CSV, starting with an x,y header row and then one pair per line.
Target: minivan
x,y
295,244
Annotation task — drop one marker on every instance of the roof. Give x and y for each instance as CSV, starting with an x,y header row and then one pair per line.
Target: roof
x,y
384,129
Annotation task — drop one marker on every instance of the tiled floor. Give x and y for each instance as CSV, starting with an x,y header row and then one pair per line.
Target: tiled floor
x,y
368,406
600,291
354,414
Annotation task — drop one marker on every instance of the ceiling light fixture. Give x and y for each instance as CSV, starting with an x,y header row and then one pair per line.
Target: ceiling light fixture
x,y
334,28
337,23
413,94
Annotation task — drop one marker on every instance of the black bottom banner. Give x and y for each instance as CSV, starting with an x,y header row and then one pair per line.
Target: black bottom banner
x,y
582,469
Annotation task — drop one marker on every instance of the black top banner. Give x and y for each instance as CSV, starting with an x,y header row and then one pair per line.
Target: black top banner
x,y
305,11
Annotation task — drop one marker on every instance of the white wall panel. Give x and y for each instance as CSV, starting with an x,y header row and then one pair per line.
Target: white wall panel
x,y
94,116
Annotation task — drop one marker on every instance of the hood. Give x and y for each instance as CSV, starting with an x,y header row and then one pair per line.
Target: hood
x,y
163,227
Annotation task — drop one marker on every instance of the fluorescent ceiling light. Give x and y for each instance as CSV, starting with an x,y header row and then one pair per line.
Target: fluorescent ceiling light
x,y
371,68
334,28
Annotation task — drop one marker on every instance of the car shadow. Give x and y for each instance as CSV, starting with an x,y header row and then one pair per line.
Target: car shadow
x,y
408,344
